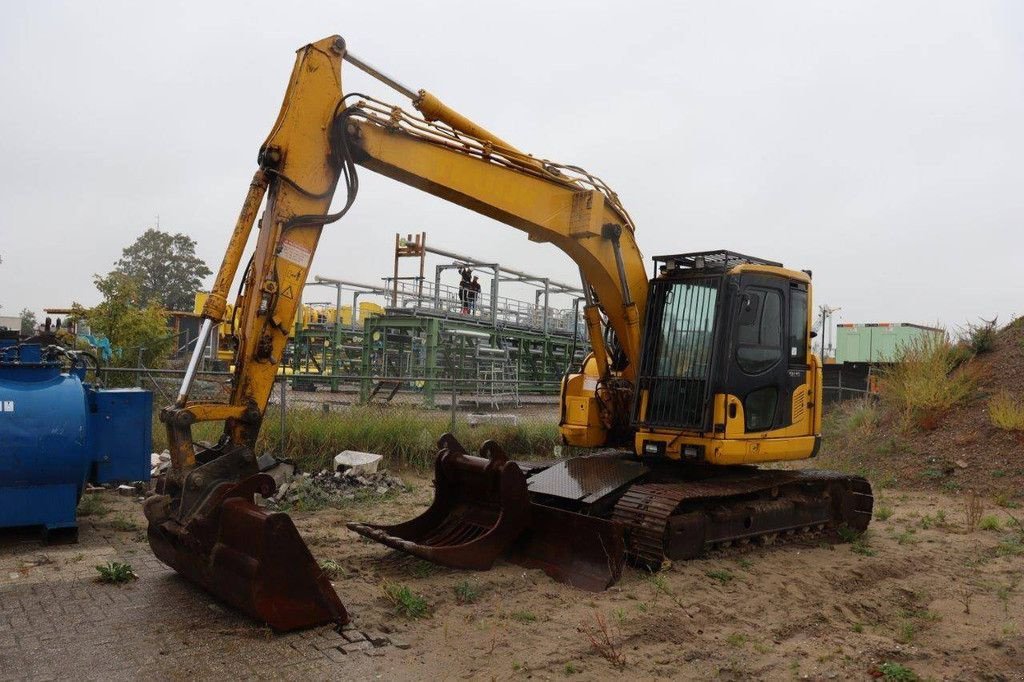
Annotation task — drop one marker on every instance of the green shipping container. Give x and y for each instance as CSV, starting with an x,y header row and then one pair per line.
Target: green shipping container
x,y
876,341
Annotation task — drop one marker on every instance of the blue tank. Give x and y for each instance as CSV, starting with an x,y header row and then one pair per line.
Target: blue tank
x,y
57,433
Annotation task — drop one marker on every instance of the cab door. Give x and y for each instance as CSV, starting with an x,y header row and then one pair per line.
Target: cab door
x,y
758,365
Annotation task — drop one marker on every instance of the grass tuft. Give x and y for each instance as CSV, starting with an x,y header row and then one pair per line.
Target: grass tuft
x,y
719,574
92,505
116,573
467,593
895,672
1006,412
407,603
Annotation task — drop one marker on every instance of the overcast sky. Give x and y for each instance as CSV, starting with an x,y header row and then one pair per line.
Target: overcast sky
x,y
877,143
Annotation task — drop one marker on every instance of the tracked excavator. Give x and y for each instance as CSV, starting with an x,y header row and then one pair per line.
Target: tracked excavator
x,y
697,374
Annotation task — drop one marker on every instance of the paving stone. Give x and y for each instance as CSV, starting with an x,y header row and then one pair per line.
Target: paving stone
x,y
352,647
335,654
354,636
399,643
376,637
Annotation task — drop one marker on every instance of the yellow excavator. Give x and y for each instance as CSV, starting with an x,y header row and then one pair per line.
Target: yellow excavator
x,y
695,375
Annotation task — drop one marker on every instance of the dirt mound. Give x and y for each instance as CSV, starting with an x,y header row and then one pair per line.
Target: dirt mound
x,y
959,449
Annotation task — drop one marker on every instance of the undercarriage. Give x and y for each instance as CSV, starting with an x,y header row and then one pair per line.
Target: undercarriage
x,y
582,518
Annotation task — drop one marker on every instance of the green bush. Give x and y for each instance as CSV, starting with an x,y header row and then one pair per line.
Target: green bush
x,y
980,338
921,384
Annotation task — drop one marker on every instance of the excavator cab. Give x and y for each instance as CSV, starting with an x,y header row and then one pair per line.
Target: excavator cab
x,y
726,373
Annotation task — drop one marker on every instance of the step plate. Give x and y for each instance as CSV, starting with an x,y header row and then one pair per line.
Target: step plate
x,y
586,479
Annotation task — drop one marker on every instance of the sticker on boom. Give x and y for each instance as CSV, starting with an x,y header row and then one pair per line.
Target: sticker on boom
x,y
294,253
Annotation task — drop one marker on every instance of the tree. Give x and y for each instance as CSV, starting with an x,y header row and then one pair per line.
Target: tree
x,y
137,329
28,322
165,268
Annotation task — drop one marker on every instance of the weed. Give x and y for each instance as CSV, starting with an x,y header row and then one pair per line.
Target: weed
x,y
989,522
762,648
467,593
332,569
921,384
123,523
604,642
642,607
964,595
974,507
951,486
1010,546
620,616
1003,500
406,602
906,537
895,672
572,669
847,534
719,574
861,415
860,546
927,521
1006,412
116,573
92,505
940,517
883,513
980,338
736,639
523,616
906,632
745,563
858,628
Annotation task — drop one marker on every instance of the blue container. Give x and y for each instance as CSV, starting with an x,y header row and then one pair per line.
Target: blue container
x,y
57,433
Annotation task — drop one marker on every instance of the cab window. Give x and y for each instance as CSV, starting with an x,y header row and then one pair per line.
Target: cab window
x,y
759,330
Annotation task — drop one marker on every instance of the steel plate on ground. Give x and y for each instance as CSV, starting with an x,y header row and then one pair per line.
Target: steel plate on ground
x,y
586,479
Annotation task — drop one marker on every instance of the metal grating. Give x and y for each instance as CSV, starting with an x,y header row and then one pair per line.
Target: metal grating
x,y
712,261
679,339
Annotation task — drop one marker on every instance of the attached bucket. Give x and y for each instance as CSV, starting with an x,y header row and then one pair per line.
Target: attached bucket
x,y
254,561
480,507
584,552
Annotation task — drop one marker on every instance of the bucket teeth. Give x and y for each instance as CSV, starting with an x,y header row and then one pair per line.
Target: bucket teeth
x,y
253,560
480,507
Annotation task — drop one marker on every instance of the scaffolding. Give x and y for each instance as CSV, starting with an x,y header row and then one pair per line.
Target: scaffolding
x,y
427,341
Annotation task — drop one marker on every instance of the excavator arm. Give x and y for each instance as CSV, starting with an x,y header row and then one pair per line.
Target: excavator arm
x,y
203,522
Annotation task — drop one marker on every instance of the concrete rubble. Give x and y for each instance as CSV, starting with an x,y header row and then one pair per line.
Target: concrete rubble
x,y
355,463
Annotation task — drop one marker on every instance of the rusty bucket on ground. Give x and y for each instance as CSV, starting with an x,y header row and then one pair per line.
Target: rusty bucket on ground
x,y
482,510
480,507
253,560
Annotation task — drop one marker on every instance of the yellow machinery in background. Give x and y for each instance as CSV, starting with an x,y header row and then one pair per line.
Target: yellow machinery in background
x,y
695,374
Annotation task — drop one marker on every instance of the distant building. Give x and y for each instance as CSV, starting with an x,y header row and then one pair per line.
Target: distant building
x,y
10,322
877,341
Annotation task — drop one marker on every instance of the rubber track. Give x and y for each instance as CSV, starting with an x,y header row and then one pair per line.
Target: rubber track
x,y
644,509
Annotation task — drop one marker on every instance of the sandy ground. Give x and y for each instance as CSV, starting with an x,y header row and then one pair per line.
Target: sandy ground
x,y
918,592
